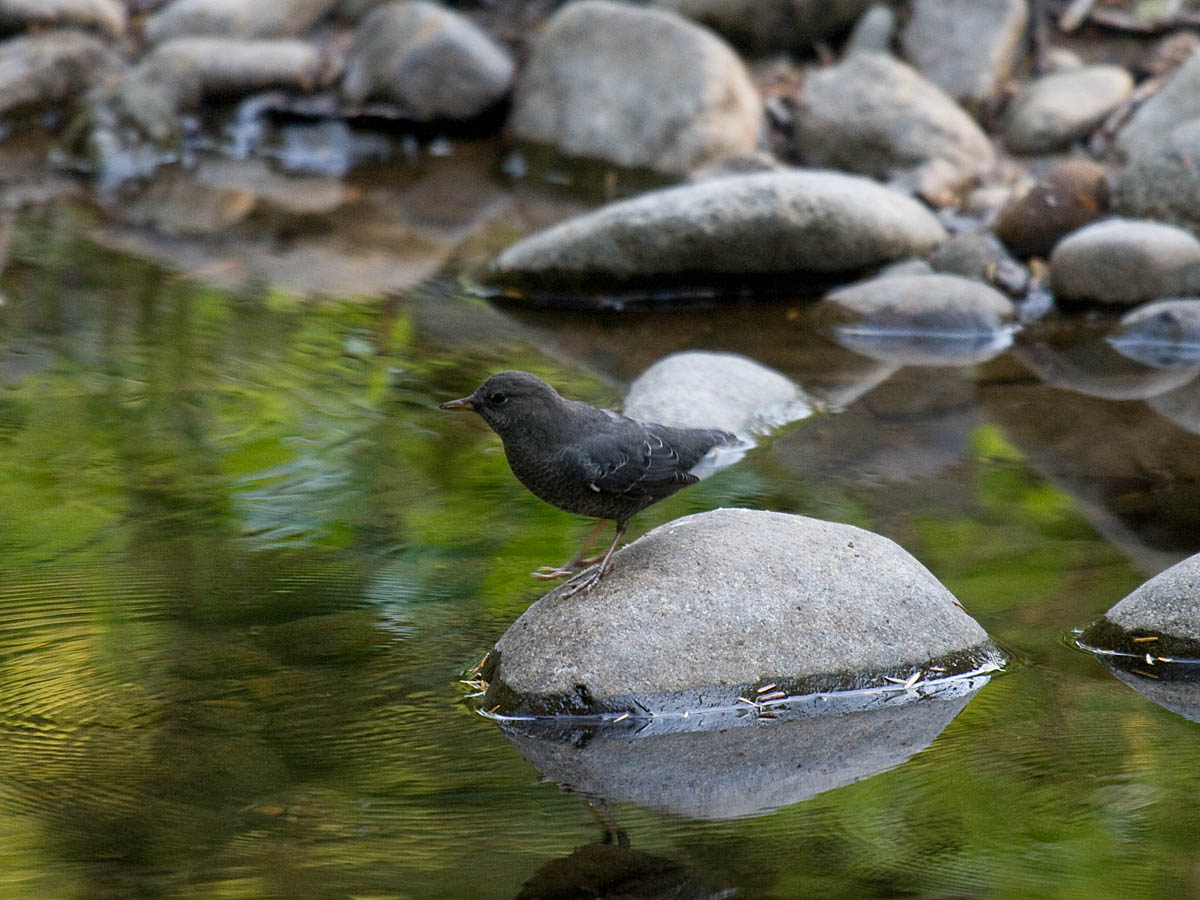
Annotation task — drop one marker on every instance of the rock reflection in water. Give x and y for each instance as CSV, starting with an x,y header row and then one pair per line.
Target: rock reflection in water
x,y
607,870
737,767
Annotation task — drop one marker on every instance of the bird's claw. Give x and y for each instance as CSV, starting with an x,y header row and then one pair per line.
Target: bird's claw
x,y
581,582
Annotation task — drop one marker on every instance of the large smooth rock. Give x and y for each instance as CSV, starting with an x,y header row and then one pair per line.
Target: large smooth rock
x,y
772,223
1063,107
1168,604
106,16
1160,180
706,607
922,319
641,88
874,115
965,46
51,68
432,62
697,389
1178,101
1070,195
1164,334
234,19
765,25
1125,261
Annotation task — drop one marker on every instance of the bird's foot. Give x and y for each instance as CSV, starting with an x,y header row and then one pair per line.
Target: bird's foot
x,y
582,581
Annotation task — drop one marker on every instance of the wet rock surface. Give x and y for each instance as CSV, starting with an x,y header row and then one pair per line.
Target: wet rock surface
x,y
742,765
710,605
1070,195
875,115
1124,261
430,61
1164,334
762,224
642,88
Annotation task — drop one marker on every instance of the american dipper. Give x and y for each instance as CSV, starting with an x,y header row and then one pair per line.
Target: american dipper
x,y
585,460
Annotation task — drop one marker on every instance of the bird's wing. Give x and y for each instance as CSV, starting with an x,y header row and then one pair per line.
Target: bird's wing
x,y
632,464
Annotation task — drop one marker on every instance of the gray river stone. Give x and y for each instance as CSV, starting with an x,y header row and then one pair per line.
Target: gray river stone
x,y
770,223
705,607
1160,180
743,767
1167,604
431,61
106,16
1164,334
1125,261
965,46
234,18
874,115
51,68
642,88
1178,101
698,389
1063,107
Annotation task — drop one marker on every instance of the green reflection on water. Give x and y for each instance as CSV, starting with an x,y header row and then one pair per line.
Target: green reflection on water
x,y
244,559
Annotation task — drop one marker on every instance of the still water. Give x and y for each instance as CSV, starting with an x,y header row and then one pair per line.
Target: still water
x,y
245,562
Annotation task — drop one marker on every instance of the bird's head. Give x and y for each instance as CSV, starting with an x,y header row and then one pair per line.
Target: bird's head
x,y
509,401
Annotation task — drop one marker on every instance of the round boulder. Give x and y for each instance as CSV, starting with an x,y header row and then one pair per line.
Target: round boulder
x,y
106,16
874,115
642,88
1124,261
709,607
697,389
430,61
1167,606
1063,107
764,224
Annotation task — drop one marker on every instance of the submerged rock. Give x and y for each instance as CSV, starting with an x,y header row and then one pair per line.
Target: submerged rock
x,y
1125,261
766,224
696,389
874,115
1063,107
705,608
641,88
235,19
430,61
967,47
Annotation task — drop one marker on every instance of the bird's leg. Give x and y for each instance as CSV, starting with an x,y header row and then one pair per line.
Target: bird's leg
x,y
589,577
549,573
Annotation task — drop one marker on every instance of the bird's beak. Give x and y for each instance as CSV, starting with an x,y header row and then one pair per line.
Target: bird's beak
x,y
462,403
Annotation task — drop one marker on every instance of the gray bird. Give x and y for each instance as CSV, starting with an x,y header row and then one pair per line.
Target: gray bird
x,y
585,460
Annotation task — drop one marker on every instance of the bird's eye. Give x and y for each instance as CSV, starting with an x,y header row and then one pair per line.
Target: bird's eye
x,y
497,399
